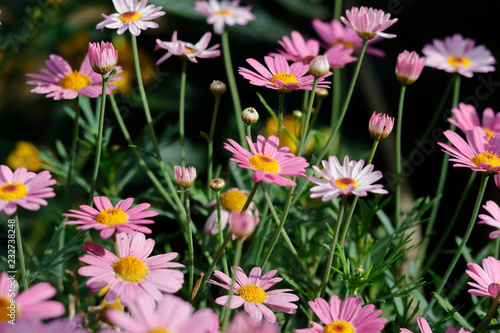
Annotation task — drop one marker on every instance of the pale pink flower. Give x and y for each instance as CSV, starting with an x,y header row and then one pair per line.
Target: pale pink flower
x,y
269,162
59,81
297,49
477,153
37,326
252,292
280,76
487,278
467,118
338,56
426,328
493,219
111,219
24,188
347,316
102,57
458,54
351,178
243,323
132,274
380,125
187,50
368,22
409,66
33,303
224,13
133,15
171,314
185,177
242,224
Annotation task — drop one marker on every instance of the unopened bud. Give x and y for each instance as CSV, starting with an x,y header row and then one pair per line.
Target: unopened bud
x,y
217,87
217,184
242,224
250,116
380,125
322,93
319,66
297,114
185,177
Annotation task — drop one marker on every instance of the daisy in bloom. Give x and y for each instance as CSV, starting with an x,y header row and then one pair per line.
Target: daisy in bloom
x,y
250,291
33,303
24,188
380,125
37,326
493,219
409,66
466,118
187,50
477,153
368,22
171,314
243,323
334,33
487,278
351,178
347,316
132,274
425,328
297,49
270,163
61,82
233,200
458,54
280,76
224,12
133,15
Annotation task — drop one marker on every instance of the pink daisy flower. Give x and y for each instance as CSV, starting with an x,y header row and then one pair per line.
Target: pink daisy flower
x,y
368,22
351,178
224,13
33,303
133,15
132,274
467,118
477,153
24,188
171,314
458,54
233,200
297,49
493,219
487,278
61,82
347,316
425,328
250,291
270,163
280,76
334,33
187,50
243,323
110,219
37,326
409,66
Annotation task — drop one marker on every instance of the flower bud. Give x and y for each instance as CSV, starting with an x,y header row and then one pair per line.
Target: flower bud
x,y
242,224
185,177
217,184
380,125
297,114
217,88
322,93
409,66
250,116
319,66
102,57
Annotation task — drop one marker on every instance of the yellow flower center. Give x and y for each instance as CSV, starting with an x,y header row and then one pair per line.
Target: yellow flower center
x,y
283,77
111,216
13,191
455,61
5,311
190,49
486,157
130,16
347,44
344,182
233,200
339,326
489,133
130,269
225,13
75,81
252,293
25,155
158,330
265,163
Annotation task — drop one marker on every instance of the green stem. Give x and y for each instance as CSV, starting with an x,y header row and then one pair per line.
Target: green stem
x,y
399,123
305,122
182,98
190,240
281,106
20,251
221,234
250,196
249,131
337,9
211,142
74,142
336,97
483,325
236,263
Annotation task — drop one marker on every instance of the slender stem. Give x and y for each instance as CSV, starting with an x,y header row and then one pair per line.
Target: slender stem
x,y
374,149
337,8
281,106
483,325
305,122
249,131
211,142
336,97
346,102
190,240
182,98
399,124
20,251
221,234
236,263
74,142
250,196
333,245
226,53
458,253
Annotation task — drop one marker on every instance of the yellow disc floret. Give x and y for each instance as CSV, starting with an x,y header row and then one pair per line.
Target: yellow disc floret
x,y
5,311
265,163
455,60
130,16
487,157
130,269
225,12
283,77
158,330
75,81
24,156
339,326
13,191
111,216
233,200
343,182
489,133
252,293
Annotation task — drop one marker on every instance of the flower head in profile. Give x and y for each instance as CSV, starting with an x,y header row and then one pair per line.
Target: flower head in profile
x,y
132,15
493,219
486,278
380,125
132,274
409,66
102,57
59,81
426,328
269,162
109,219
243,323
477,153
25,155
297,49
466,118
252,292
37,326
185,177
223,13
242,224
368,22
346,316
187,50
460,55
23,188
351,178
280,76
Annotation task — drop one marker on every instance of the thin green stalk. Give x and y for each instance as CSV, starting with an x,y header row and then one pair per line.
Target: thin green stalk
x,y
190,240
458,253
336,98
305,122
226,53
250,196
399,128
333,245
281,106
249,131
19,241
182,98
337,9
317,108
221,233
483,325
211,142
346,103
236,263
